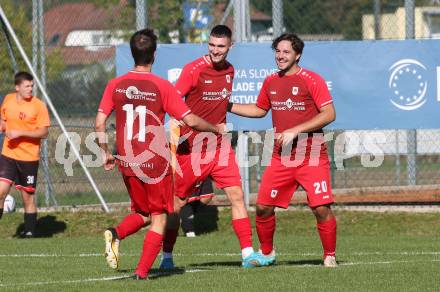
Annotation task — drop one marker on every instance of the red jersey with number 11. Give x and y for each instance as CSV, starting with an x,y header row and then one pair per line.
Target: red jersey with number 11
x,y
140,101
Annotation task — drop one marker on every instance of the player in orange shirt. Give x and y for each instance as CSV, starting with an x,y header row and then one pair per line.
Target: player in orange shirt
x,y
24,121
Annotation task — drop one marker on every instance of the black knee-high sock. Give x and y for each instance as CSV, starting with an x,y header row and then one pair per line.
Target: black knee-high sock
x,y
1,213
30,221
187,216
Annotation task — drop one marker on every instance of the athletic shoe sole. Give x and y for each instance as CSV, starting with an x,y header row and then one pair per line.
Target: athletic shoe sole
x,y
111,250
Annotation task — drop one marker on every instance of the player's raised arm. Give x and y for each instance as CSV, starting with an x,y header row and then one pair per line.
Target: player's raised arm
x,y
247,110
254,110
199,124
176,107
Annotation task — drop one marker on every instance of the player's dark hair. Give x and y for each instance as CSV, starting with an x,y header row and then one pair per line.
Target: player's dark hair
x,y
221,31
297,43
22,76
143,44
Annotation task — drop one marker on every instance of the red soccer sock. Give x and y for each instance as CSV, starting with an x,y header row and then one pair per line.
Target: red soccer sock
x,y
131,224
327,233
150,250
243,230
170,240
265,230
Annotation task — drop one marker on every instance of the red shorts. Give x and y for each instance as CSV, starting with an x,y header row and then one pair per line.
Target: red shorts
x,y
279,183
150,198
194,169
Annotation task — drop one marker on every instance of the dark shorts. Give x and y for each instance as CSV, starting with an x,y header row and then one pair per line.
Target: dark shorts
x,y
21,173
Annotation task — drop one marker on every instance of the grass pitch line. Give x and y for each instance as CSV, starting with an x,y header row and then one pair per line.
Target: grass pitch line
x,y
197,271
386,262
67,281
88,280
403,253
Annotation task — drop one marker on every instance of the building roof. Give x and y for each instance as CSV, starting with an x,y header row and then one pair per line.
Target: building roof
x,y
63,19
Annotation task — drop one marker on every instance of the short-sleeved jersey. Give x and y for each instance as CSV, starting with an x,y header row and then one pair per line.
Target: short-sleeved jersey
x,y
207,91
294,99
140,101
27,115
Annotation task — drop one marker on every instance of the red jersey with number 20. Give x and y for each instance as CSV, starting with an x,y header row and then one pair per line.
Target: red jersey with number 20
x,y
207,91
295,99
140,101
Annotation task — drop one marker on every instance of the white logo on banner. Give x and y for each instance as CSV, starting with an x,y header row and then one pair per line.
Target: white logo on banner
x,y
408,84
173,74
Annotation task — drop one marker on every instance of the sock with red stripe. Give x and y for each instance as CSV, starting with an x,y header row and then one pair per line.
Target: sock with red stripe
x,y
265,230
150,250
131,224
170,240
243,230
327,233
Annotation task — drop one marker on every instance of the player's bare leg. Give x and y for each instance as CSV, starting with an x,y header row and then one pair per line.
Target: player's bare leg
x,y
266,224
172,229
242,227
236,197
112,236
30,214
326,225
4,191
28,202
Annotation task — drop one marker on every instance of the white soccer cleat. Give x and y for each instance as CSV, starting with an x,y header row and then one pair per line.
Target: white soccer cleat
x,y
330,262
190,234
111,248
270,259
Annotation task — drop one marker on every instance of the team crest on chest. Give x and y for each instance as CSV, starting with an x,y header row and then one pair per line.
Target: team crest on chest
x,y
228,78
295,90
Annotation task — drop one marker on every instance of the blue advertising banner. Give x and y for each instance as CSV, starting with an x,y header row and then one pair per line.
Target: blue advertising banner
x,y
374,84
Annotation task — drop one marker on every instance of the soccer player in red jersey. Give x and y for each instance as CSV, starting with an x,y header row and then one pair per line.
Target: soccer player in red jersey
x,y
140,100
206,84
301,106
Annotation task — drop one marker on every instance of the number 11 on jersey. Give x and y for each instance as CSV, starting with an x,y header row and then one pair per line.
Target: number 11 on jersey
x,y
141,111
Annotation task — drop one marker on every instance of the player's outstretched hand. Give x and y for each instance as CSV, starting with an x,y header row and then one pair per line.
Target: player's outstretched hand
x,y
109,161
222,129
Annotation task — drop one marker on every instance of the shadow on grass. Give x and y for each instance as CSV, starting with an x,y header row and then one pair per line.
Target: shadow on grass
x,y
154,273
214,264
47,226
303,263
300,263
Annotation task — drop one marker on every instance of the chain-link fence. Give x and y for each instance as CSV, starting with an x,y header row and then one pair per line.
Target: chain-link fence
x,y
73,43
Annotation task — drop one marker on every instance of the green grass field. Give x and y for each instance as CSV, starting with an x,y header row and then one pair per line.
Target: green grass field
x,y
376,252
